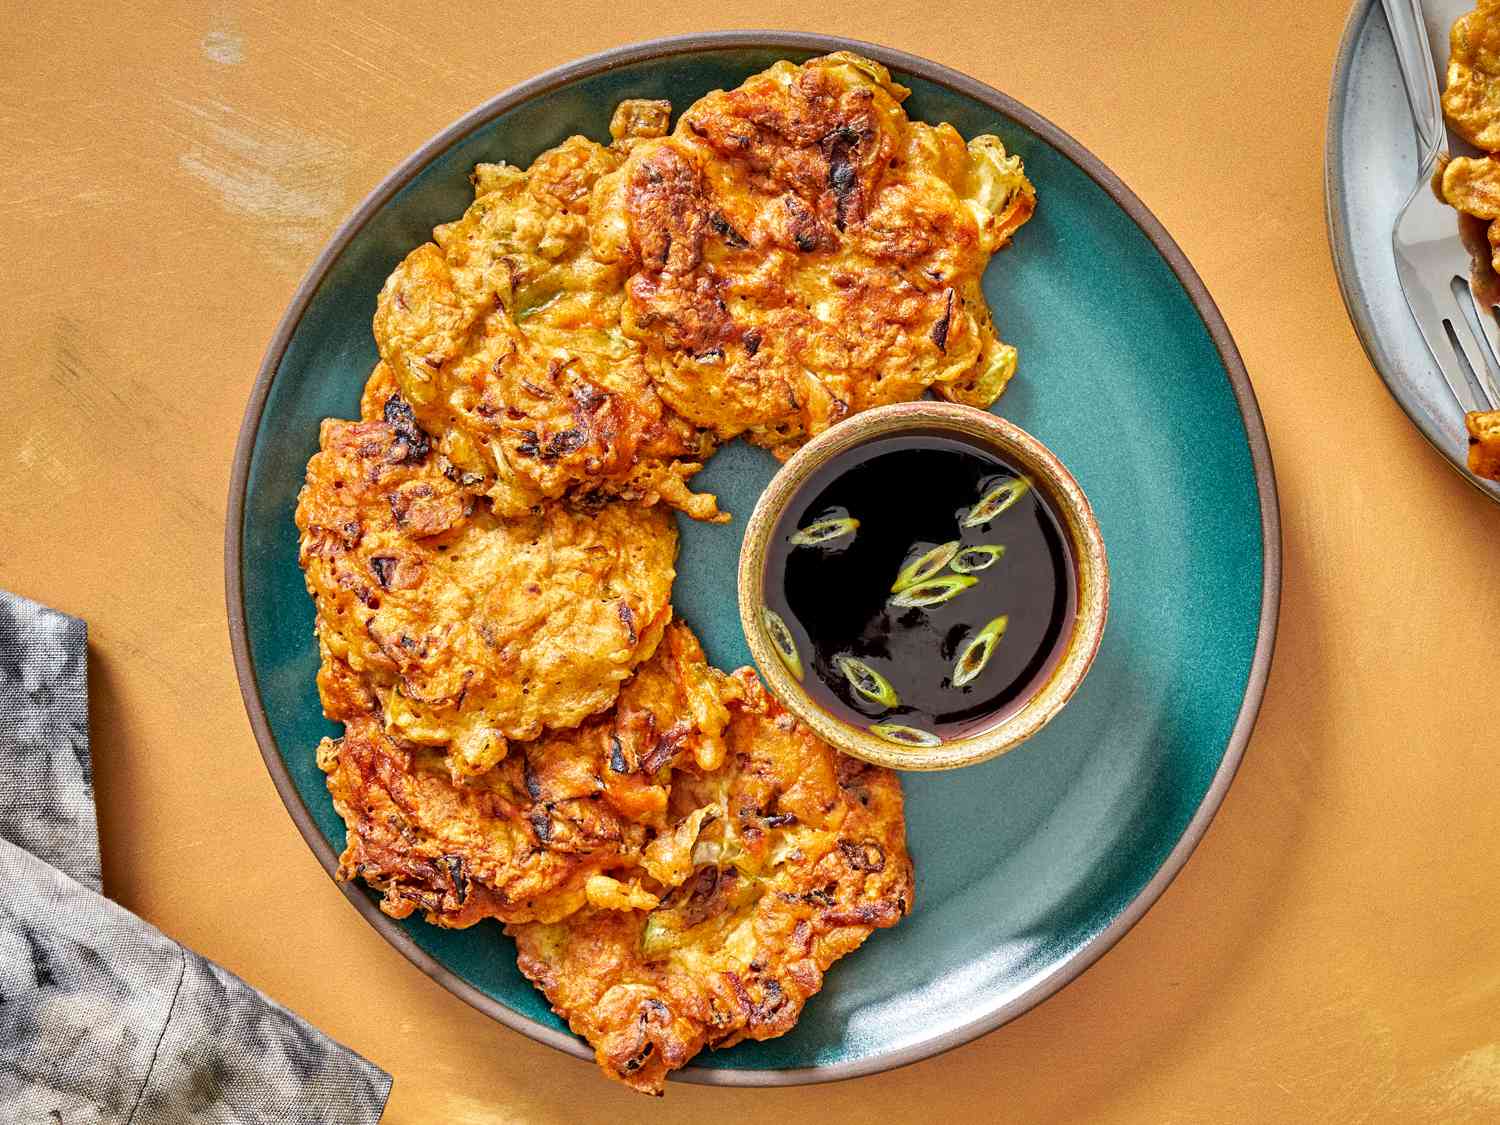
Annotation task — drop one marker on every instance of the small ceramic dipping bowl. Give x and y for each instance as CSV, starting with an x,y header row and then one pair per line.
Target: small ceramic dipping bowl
x,y
1043,699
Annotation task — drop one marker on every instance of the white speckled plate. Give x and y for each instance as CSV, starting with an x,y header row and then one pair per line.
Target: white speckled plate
x,y
1370,167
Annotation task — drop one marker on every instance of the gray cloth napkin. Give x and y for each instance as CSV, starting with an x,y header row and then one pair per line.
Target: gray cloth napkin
x,y
104,1019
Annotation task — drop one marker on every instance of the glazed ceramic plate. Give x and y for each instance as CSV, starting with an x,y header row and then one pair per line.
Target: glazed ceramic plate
x,y
1370,166
1028,867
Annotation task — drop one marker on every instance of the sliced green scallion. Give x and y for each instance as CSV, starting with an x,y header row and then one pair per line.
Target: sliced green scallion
x,y
997,500
903,735
657,936
866,681
934,591
532,299
781,641
972,559
976,653
824,531
924,566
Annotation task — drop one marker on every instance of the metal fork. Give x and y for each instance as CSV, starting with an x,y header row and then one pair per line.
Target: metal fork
x,y
1432,262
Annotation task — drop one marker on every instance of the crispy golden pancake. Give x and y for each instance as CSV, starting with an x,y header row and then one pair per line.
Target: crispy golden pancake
x,y
1484,443
1471,102
796,249
1473,186
529,736
1471,98
471,630
503,335
532,838
800,250
779,863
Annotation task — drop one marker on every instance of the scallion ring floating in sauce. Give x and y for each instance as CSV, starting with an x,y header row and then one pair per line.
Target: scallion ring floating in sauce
x,y
824,531
997,500
935,591
924,566
903,735
972,559
867,682
976,653
781,641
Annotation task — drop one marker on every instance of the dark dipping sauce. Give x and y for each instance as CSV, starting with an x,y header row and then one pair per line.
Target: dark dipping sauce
x,y
911,492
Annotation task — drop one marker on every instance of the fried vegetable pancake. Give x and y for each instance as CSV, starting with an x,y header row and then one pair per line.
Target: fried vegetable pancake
x,y
529,737
780,863
471,630
1484,443
504,336
1472,186
800,250
795,250
1471,98
1471,102
532,838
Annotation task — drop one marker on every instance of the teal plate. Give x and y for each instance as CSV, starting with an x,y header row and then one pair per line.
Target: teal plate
x,y
1028,867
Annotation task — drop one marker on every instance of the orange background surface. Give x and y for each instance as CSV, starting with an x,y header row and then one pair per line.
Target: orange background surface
x,y
1332,951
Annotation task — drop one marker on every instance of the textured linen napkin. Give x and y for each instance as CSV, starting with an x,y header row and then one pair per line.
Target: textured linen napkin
x,y
104,1019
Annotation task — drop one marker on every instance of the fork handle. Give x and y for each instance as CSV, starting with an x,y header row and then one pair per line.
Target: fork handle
x,y
1414,57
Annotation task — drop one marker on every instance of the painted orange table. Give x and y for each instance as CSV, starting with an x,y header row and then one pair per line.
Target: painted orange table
x,y
1332,952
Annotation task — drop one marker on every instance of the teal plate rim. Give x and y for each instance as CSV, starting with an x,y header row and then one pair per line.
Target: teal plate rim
x,y
1260,454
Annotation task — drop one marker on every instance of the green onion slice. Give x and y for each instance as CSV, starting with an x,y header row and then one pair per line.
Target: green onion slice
x,y
532,299
996,500
903,735
924,566
934,591
657,937
781,641
976,653
866,681
972,559
824,531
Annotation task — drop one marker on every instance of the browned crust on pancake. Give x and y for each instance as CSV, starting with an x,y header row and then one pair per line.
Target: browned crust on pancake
x,y
819,863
